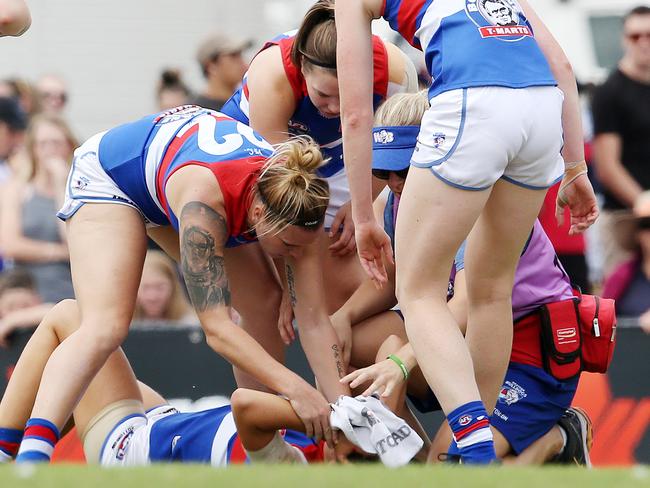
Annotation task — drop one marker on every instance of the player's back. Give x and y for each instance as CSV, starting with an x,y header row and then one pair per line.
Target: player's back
x,y
471,42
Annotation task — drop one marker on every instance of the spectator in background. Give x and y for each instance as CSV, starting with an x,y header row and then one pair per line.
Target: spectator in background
x,y
160,295
223,67
21,307
621,111
53,94
15,18
30,233
23,92
12,128
172,91
629,284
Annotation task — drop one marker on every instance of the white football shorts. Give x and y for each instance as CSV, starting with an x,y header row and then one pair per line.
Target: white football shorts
x,y
471,137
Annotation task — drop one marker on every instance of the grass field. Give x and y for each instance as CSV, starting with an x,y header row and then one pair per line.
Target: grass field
x,y
320,476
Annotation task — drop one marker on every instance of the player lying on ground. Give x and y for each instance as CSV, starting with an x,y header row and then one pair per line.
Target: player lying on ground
x,y
124,422
532,420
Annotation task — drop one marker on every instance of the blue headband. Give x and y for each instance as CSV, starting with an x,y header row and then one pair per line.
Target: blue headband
x,y
392,146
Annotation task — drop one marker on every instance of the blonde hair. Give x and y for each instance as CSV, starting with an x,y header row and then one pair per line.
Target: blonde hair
x,y
29,168
315,41
290,189
403,109
178,306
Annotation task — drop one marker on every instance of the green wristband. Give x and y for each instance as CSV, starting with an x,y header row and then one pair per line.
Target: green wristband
x,y
399,362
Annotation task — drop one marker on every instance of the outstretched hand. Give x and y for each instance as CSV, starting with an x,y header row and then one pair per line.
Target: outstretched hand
x,y
373,245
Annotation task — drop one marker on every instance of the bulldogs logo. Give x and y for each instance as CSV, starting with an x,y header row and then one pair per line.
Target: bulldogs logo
x,y
438,139
511,393
500,19
81,183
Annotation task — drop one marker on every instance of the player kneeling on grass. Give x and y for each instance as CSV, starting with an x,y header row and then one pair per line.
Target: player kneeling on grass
x,y
123,422
532,422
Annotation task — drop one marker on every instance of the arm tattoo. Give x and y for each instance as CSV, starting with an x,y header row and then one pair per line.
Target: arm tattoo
x,y
203,268
339,363
292,286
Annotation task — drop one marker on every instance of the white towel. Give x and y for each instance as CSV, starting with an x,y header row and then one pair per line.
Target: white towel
x,y
368,424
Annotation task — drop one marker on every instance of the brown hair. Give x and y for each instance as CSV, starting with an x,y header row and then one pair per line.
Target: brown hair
x,y
28,170
171,79
289,187
178,306
403,109
315,41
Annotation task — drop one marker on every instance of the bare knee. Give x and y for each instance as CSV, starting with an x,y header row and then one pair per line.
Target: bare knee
x,y
241,402
390,346
63,318
103,337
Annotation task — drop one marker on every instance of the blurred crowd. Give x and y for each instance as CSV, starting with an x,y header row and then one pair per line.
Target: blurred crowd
x,y
37,144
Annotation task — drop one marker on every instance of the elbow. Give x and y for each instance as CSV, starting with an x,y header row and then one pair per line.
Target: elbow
x,y
355,119
216,337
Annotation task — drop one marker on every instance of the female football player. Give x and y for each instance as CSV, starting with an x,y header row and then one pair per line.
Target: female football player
x,y
199,177
488,148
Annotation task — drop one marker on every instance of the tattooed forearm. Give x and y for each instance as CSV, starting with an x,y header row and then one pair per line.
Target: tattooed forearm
x,y
292,286
203,230
339,361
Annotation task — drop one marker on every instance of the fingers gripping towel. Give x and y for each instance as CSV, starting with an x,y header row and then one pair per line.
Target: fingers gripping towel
x,y
368,424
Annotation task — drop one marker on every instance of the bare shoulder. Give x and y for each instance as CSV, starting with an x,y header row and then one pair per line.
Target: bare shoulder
x,y
193,183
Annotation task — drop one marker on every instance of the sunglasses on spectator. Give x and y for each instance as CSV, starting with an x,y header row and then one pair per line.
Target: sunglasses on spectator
x,y
636,36
644,223
383,174
61,96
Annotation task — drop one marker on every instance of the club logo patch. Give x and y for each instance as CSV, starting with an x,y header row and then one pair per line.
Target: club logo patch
x,y
81,183
500,19
438,139
511,392
383,137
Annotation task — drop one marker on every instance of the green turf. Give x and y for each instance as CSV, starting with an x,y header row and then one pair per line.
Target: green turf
x,y
320,476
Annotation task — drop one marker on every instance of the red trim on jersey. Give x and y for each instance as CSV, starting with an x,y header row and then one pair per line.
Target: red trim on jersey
x,y
237,453
380,67
297,81
465,432
294,75
236,179
383,8
170,153
407,17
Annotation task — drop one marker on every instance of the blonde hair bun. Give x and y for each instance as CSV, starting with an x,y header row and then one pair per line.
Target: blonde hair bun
x,y
289,186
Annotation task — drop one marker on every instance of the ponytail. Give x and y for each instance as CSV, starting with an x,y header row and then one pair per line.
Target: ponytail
x,y
315,41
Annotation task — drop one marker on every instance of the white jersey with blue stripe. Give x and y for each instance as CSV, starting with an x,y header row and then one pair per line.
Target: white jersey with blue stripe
x,y
139,156
470,43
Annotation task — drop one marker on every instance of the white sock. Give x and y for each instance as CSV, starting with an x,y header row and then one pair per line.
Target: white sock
x,y
4,457
277,451
563,432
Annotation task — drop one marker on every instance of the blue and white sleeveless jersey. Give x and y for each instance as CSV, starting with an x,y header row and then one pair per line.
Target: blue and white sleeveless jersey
x,y
306,119
140,156
469,43
207,437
